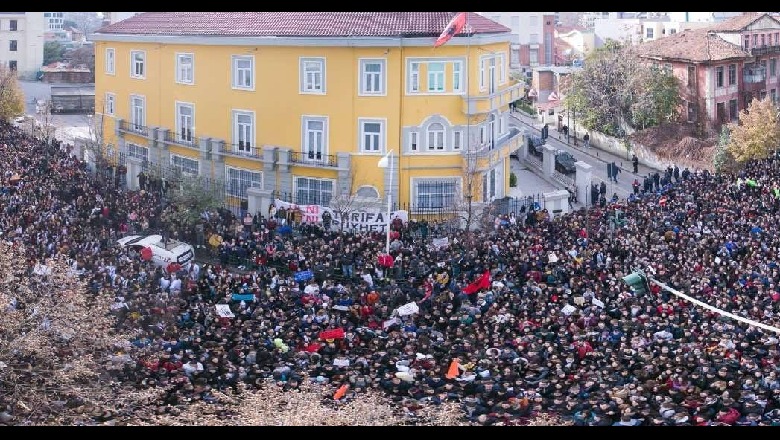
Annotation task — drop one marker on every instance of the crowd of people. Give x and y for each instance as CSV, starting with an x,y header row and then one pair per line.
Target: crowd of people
x,y
527,317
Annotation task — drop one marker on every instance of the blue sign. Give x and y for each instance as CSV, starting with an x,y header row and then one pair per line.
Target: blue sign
x,y
243,297
303,275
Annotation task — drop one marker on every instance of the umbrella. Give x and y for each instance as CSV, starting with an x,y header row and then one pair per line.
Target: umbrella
x,y
146,253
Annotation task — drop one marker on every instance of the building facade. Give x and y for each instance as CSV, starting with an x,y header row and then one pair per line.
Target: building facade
x,y
271,104
21,41
533,33
54,20
722,67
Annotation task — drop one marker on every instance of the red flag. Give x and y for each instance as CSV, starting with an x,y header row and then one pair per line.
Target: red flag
x,y
334,333
483,282
454,27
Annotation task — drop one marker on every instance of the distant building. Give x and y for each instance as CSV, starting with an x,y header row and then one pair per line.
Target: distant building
x,y
21,41
722,67
533,38
113,17
573,43
54,20
59,73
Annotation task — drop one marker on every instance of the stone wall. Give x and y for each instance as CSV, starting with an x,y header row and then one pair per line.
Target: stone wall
x,y
617,147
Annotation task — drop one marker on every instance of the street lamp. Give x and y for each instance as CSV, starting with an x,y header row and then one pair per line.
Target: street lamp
x,y
386,162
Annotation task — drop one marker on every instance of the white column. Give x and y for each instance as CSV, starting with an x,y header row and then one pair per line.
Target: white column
x,y
548,163
582,181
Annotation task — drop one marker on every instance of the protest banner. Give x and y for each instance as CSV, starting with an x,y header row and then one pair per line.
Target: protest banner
x,y
223,311
408,309
359,220
243,297
303,275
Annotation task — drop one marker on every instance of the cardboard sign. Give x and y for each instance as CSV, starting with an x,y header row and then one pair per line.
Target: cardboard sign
x,y
223,311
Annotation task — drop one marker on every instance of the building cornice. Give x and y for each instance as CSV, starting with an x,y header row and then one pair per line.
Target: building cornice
x,y
209,40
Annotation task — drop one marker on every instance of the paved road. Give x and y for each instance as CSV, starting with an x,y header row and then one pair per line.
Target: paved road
x,y
68,128
598,159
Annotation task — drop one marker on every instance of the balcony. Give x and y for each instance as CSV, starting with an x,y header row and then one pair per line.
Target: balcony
x,y
129,127
241,149
754,75
476,105
764,50
184,138
313,159
512,140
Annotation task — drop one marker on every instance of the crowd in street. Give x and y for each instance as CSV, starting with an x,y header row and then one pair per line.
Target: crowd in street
x,y
528,316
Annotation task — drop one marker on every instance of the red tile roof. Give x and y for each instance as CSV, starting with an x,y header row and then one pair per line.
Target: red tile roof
x,y
698,45
297,24
738,23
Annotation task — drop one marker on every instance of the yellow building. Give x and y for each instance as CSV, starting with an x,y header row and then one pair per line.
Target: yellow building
x,y
304,104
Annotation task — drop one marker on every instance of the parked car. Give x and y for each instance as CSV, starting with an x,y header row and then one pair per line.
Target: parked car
x,y
163,252
535,145
564,163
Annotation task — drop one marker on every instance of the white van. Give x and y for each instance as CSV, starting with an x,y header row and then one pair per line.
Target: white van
x,y
163,253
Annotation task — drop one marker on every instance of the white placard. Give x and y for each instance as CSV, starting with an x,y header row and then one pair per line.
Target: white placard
x,y
568,309
408,309
223,311
597,302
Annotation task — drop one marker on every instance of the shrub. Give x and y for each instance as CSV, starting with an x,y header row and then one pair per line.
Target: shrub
x,y
512,180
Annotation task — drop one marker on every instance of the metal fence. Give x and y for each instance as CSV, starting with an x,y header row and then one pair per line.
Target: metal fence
x,y
566,180
517,205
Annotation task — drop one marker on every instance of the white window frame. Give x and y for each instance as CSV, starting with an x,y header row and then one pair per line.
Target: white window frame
x,y
138,151
417,181
436,140
234,72
533,21
177,163
134,124
320,63
482,82
434,77
241,193
381,138
110,105
381,82
305,131
110,66
457,140
180,78
178,124
414,141
319,199
237,148
457,77
501,61
134,64
414,77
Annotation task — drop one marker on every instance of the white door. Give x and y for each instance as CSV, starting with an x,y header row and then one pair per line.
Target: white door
x,y
492,76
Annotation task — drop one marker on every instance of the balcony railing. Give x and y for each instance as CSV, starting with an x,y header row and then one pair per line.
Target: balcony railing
x,y
511,139
131,127
186,138
480,104
754,76
312,158
241,149
765,50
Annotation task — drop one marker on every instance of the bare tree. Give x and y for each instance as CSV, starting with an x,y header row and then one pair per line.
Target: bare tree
x,y
86,22
45,112
53,339
346,203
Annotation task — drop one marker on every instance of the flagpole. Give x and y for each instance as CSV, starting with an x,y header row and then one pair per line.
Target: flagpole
x,y
468,108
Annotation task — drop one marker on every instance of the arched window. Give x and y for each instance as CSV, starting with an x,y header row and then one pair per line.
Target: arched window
x,y
436,136
367,192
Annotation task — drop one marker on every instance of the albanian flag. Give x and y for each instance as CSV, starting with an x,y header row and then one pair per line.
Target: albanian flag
x,y
483,282
454,27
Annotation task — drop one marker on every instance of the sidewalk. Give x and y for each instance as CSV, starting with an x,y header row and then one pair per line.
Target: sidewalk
x,y
593,152
530,182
